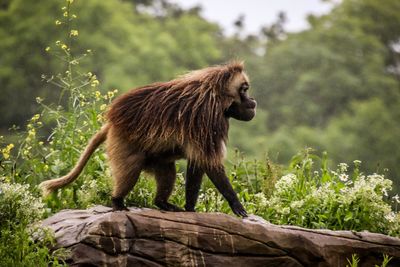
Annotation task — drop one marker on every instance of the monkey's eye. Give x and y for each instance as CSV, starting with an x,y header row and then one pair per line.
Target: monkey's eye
x,y
244,87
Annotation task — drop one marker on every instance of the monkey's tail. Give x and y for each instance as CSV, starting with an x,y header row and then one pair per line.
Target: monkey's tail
x,y
52,185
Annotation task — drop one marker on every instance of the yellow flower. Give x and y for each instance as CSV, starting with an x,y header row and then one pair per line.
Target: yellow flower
x,y
103,107
40,143
47,49
70,1
95,83
58,22
110,94
74,16
100,118
32,133
74,33
45,167
64,46
58,42
6,151
97,94
65,14
35,117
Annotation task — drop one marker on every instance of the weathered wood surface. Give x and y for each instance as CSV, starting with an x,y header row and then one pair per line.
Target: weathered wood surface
x,y
145,237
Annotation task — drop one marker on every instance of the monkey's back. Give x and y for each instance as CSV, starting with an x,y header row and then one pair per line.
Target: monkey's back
x,y
172,116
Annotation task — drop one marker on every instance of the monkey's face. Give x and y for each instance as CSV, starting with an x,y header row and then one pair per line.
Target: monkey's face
x,y
243,106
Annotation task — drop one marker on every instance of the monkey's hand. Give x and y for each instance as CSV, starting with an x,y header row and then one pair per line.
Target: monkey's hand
x,y
238,209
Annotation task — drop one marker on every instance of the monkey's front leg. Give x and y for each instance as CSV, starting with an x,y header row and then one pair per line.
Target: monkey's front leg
x,y
220,180
194,176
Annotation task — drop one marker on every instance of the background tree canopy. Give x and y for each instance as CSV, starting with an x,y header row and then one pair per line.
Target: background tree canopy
x,y
334,87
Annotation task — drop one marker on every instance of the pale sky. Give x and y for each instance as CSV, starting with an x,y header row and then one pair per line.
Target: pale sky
x,y
258,12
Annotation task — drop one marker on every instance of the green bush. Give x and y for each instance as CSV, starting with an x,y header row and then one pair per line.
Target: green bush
x,y
338,200
22,241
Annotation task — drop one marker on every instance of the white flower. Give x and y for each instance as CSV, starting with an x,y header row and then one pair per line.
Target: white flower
x,y
396,198
343,177
286,210
384,192
343,167
391,216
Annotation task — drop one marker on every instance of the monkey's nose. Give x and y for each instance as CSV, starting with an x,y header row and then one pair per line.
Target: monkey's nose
x,y
252,103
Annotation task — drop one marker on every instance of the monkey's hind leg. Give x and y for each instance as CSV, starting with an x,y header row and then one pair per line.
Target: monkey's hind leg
x,y
165,174
125,165
125,175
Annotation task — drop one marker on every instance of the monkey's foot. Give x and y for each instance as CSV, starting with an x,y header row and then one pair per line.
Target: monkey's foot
x,y
167,206
238,209
118,204
190,209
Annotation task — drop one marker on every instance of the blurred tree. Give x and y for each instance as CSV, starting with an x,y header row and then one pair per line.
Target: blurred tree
x,y
332,86
130,47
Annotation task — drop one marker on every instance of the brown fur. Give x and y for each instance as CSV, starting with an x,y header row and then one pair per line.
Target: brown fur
x,y
185,113
152,126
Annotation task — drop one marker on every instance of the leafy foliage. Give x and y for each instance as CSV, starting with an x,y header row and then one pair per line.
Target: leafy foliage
x,y
22,241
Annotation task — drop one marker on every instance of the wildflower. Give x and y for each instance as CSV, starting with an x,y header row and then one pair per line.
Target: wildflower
x,y
64,8
100,118
58,22
261,199
286,210
89,50
357,162
89,74
97,94
343,167
46,167
39,100
391,216
110,94
74,16
64,46
47,49
103,107
343,177
35,117
6,151
384,192
396,198
95,83
74,33
32,133
65,14
70,1
40,143
58,42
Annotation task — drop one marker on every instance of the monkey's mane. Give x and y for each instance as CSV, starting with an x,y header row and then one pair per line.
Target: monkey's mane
x,y
181,113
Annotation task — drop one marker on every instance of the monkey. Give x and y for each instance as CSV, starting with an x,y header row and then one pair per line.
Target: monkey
x,y
150,127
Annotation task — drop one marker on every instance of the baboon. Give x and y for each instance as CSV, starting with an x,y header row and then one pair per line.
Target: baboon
x,y
151,127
